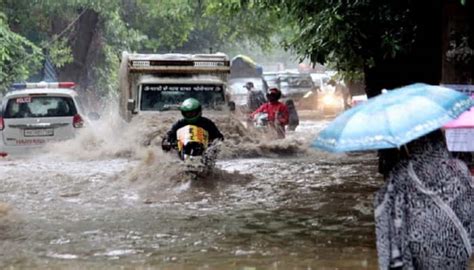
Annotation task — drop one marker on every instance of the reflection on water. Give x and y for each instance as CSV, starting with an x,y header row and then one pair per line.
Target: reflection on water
x,y
263,213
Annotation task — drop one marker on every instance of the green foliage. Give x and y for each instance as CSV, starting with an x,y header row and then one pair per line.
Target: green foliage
x,y
18,56
235,21
192,26
349,34
60,52
35,20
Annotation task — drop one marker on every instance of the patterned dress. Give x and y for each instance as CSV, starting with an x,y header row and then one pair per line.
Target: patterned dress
x,y
424,213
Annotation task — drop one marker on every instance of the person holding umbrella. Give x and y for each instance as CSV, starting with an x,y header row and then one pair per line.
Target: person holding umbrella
x,y
424,213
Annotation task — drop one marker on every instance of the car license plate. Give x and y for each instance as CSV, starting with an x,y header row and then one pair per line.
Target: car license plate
x,y
39,132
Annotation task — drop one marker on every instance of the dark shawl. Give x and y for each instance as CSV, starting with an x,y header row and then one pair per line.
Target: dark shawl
x,y
424,212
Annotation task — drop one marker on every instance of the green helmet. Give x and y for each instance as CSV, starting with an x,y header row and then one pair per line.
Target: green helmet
x,y
191,109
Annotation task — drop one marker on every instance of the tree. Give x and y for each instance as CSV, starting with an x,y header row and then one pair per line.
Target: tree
x,y
18,56
85,38
392,42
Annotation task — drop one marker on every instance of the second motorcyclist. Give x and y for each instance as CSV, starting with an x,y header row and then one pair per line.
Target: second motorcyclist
x,y
278,115
192,115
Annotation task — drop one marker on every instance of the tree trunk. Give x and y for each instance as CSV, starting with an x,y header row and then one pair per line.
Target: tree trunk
x,y
458,23
422,64
84,45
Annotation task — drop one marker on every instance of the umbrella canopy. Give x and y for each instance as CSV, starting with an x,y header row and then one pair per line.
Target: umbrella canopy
x,y
393,119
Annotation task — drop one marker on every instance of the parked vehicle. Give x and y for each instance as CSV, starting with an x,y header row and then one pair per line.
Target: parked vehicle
x,y
34,114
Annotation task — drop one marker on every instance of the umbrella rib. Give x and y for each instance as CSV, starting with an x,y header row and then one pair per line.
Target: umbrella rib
x,y
389,129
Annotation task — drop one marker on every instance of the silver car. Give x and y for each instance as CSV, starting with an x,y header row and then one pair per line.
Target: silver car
x,y
33,117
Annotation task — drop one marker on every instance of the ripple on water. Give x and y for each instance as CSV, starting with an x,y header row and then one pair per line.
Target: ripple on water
x,y
62,256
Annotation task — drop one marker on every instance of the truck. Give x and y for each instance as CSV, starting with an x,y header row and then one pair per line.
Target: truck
x,y
155,83
244,70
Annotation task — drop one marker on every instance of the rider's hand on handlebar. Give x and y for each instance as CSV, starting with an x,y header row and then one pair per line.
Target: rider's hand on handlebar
x,y
166,145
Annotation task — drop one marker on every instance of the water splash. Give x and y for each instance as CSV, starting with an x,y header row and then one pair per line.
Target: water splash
x,y
112,137
4,210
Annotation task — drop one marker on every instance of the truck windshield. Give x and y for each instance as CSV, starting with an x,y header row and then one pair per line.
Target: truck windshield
x,y
161,97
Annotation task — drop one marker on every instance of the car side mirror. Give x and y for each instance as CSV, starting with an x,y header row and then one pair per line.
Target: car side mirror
x,y
131,105
93,116
231,105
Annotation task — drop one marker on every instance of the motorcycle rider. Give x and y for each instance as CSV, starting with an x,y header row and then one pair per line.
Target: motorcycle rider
x,y
278,115
192,115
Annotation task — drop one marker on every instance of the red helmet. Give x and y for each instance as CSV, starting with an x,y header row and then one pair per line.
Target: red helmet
x,y
273,94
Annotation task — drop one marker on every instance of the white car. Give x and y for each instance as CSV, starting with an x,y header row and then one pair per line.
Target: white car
x,y
320,80
38,113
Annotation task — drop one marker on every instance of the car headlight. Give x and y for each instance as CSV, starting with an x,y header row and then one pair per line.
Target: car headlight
x,y
329,100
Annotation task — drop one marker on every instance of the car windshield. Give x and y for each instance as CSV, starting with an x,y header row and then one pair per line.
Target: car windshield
x,y
39,106
297,81
162,97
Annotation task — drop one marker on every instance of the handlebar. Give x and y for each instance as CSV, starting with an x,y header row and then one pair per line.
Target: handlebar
x,y
167,146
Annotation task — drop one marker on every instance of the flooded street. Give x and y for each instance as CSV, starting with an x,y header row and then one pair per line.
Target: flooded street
x,y
196,135
307,210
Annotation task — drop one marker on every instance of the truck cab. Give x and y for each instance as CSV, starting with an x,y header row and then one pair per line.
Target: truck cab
x,y
153,83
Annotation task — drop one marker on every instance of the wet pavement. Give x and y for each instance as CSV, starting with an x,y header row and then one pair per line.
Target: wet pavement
x,y
306,210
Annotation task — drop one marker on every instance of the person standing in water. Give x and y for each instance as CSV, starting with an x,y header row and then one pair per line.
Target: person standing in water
x,y
424,213
294,119
255,98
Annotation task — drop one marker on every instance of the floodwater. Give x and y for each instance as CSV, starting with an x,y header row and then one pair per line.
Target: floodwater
x,y
103,202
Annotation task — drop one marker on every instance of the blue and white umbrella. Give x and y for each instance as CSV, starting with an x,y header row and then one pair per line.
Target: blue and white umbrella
x,y
393,119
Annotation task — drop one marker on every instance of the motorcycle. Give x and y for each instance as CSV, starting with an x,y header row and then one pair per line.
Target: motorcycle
x,y
260,120
262,124
194,149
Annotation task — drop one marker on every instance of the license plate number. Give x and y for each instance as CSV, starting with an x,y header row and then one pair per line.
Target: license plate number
x,y
39,132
